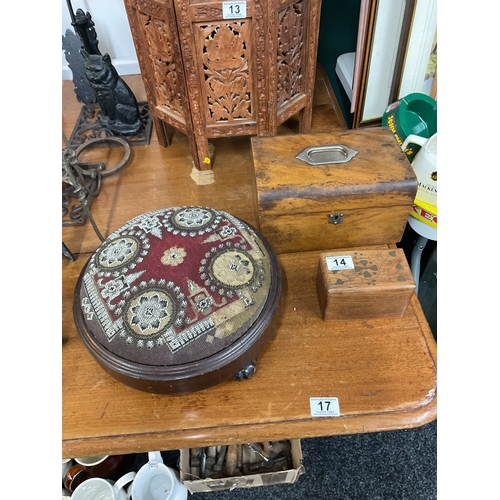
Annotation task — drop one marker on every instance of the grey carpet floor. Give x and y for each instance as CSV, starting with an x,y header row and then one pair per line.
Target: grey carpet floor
x,y
392,465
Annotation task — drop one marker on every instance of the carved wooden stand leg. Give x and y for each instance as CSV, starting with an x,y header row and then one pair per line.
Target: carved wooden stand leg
x,y
162,133
305,120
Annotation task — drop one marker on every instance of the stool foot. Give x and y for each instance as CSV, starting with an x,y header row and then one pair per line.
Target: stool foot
x,y
246,372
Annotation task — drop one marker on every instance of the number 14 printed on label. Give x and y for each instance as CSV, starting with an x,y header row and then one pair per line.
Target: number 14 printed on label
x,y
340,262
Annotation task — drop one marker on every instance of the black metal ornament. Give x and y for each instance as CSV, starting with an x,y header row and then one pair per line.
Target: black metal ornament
x,y
84,26
72,45
84,184
120,112
119,108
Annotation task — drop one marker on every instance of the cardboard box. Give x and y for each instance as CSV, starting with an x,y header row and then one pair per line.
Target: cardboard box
x,y
246,481
364,284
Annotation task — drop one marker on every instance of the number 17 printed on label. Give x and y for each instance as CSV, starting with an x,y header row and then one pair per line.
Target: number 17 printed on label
x,y
324,407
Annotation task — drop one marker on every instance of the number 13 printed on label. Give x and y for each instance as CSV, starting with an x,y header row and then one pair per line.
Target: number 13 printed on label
x,y
234,10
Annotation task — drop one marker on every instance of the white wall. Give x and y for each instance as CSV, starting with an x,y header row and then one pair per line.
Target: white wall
x,y
113,33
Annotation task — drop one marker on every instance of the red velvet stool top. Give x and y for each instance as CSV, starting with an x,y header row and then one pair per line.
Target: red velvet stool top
x,y
178,299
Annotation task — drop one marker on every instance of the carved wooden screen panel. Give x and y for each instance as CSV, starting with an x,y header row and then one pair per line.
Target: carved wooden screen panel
x,y
294,43
290,53
160,46
155,32
226,72
220,53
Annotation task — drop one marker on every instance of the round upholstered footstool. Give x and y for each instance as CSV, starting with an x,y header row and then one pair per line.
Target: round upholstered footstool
x,y
179,299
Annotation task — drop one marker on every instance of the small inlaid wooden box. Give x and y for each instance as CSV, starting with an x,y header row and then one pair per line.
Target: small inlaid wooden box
x,y
364,284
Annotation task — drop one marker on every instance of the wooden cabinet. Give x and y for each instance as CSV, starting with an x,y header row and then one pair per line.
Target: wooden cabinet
x,y
217,69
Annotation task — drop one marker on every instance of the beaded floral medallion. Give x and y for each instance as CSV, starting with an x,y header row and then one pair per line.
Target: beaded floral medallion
x,y
175,285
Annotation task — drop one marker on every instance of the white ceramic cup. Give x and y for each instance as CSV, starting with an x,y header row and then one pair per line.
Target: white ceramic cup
x,y
91,460
156,481
97,488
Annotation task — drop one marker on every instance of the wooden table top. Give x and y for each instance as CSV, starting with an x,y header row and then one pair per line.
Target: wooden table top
x,y
383,372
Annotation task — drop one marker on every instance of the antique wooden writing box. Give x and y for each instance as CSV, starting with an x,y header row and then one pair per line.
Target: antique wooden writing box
x,y
179,299
332,190
364,284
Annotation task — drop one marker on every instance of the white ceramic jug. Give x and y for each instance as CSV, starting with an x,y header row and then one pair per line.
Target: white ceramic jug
x,y
156,481
425,167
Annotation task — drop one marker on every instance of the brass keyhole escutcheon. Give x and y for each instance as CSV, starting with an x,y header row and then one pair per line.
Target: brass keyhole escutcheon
x,y
335,218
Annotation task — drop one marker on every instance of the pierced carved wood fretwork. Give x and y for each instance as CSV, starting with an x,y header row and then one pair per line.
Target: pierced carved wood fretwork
x,y
155,32
226,70
289,57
